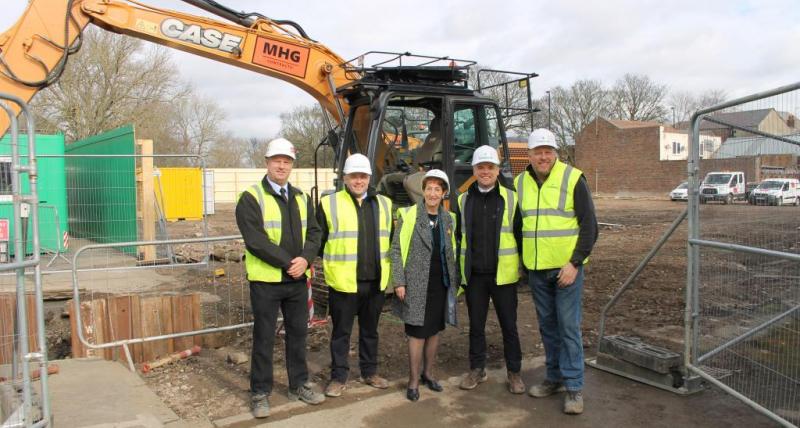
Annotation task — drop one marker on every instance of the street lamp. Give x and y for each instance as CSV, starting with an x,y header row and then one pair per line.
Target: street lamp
x,y
549,115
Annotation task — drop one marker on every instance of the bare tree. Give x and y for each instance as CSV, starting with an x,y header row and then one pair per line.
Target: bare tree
x,y
228,152
685,103
111,82
637,97
576,106
255,149
195,123
305,127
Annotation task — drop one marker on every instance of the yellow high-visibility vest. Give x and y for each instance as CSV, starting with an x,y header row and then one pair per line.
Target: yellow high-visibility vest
x,y
549,226
340,255
257,269
507,255
409,216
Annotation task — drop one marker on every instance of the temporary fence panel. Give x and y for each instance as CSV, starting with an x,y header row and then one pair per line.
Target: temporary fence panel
x,y
180,192
51,190
102,191
743,317
24,394
136,314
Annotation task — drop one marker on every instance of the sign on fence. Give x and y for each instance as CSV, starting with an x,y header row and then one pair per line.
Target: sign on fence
x,y
4,240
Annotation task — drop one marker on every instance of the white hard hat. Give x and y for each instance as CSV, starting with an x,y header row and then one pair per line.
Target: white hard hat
x,y
542,137
357,163
281,146
436,173
485,154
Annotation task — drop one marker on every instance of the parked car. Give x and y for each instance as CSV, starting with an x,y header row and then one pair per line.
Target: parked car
x,y
725,187
680,193
748,188
776,191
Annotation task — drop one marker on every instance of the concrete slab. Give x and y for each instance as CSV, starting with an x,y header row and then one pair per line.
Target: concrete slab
x,y
609,401
96,393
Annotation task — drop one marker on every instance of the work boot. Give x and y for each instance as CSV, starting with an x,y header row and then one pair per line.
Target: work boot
x,y
473,378
545,389
573,403
259,405
515,383
307,395
334,388
376,381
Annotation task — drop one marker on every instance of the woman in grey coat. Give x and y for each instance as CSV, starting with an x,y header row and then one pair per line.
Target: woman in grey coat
x,y
425,278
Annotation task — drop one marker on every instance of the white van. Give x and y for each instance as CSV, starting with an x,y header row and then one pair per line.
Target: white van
x,y
776,191
725,187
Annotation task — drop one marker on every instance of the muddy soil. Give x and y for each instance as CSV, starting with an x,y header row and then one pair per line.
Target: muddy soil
x,y
209,386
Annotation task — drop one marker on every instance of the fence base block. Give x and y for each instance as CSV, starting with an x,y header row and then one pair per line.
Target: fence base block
x,y
675,382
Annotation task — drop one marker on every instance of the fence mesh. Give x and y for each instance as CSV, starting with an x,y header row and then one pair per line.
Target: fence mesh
x,y
748,328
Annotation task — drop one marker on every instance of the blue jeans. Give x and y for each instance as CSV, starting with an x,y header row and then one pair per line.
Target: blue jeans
x,y
559,314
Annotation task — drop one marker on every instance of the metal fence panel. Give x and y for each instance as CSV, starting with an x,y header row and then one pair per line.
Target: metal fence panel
x,y
744,253
24,399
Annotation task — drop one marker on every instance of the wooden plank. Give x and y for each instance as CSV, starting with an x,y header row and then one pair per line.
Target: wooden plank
x,y
147,200
89,331
136,327
100,323
7,315
33,327
151,326
182,320
197,317
167,324
119,318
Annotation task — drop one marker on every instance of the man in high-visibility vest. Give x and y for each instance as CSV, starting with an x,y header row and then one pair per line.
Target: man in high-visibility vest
x,y
559,229
281,239
356,226
489,227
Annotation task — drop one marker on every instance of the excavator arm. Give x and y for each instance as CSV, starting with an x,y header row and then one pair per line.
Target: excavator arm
x,y
33,52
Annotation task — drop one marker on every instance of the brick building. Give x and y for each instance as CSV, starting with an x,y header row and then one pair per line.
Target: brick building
x,y
622,157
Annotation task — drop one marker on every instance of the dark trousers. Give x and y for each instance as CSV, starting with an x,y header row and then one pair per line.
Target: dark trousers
x,y
292,299
480,288
367,304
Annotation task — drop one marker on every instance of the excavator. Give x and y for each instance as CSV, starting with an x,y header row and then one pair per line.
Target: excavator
x,y
407,113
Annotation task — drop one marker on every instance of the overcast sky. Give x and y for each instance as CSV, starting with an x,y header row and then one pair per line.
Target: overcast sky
x,y
738,46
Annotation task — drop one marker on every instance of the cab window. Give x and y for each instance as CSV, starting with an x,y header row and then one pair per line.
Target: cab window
x,y
474,126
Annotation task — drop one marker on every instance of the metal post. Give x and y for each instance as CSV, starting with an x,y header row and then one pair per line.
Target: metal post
x,y
530,103
19,255
34,200
549,113
693,252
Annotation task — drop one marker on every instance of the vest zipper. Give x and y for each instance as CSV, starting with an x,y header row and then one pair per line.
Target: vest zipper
x,y
536,229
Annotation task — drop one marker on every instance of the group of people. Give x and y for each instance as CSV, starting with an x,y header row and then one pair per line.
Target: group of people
x,y
544,224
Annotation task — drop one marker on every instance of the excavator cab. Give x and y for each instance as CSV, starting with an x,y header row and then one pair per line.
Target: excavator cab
x,y
410,119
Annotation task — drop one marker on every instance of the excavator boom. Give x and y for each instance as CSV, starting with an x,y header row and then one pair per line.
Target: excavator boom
x,y
34,51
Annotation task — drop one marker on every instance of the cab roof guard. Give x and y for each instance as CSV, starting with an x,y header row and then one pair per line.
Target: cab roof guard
x,y
522,80
383,66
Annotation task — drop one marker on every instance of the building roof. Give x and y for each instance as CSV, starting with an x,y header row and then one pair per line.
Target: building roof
x,y
623,124
745,119
755,146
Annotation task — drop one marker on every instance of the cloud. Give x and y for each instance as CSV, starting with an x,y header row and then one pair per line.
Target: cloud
x,y
740,46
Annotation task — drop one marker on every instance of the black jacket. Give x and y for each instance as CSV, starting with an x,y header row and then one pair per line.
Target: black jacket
x,y
368,264
278,254
486,254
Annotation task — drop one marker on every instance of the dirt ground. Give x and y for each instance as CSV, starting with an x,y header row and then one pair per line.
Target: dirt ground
x,y
210,387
